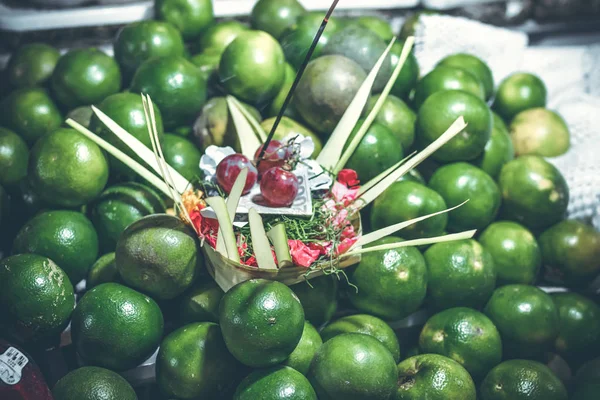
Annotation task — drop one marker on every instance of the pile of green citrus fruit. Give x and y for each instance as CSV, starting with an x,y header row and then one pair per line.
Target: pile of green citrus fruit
x,y
86,243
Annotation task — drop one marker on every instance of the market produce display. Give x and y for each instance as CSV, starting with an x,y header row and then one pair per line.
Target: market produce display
x,y
257,211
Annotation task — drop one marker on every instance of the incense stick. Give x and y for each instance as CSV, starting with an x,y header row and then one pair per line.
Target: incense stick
x,y
301,70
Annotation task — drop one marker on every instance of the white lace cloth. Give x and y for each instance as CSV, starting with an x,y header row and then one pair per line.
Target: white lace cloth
x,y
571,75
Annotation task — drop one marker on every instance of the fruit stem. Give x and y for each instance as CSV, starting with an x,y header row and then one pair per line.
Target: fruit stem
x,y
288,98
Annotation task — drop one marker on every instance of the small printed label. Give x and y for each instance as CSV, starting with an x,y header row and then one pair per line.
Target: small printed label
x,y
12,363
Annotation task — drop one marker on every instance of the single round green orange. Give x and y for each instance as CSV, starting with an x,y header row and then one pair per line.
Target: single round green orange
x,y
32,65
571,253
67,169
462,182
85,77
526,318
519,92
465,335
440,111
391,284
461,274
522,380
516,253
193,362
353,366
31,113
435,377
66,237
262,322
534,192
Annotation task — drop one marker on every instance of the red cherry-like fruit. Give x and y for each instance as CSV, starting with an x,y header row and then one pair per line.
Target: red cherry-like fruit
x,y
275,155
229,169
279,187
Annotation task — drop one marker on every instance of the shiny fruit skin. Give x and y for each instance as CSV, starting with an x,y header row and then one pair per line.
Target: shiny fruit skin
x,y
398,117
277,103
447,78
183,156
277,383
460,182
440,110
262,322
200,303
175,85
230,167
433,377
461,274
297,39
32,65
466,336
66,237
275,155
84,77
218,36
498,150
365,324
279,187
325,91
190,17
14,157
579,331
519,92
119,206
66,169
252,67
526,318
406,200
364,47
534,192
305,351
193,362
409,74
392,284
378,150
104,270
275,16
522,380
36,297
30,113
474,66
571,253
319,299
116,327
353,366
160,255
93,383
140,41
516,253
378,25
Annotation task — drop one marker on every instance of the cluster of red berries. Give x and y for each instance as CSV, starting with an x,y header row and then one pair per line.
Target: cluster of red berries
x,y
278,185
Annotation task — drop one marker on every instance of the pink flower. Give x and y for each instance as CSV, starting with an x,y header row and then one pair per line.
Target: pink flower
x,y
348,232
323,249
341,218
302,255
342,194
345,245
